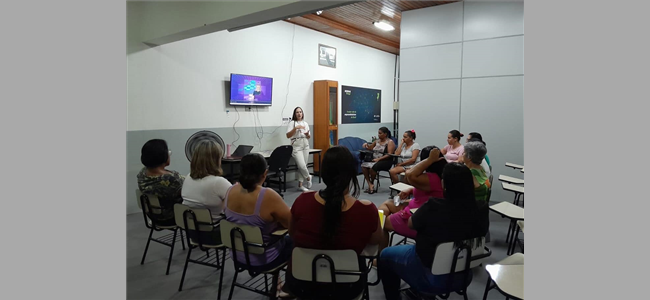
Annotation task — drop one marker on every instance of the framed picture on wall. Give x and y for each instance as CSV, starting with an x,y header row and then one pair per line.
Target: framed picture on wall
x,y
326,56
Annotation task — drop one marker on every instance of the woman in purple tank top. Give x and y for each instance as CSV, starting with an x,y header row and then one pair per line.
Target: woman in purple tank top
x,y
248,203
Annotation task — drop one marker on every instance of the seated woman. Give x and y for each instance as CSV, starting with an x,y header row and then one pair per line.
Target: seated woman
x,y
454,149
204,187
474,154
380,161
425,185
476,137
333,219
248,203
453,219
409,152
154,179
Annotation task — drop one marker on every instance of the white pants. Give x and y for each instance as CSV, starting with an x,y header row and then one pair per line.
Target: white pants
x,y
301,156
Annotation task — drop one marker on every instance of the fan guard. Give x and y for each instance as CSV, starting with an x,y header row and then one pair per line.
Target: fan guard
x,y
201,136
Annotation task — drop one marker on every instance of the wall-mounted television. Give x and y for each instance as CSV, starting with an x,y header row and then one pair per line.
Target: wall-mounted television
x,y
360,105
250,90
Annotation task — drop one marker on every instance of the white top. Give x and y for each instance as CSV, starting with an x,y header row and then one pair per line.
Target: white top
x,y
485,167
300,133
511,179
400,186
509,210
407,153
208,192
512,187
514,166
509,278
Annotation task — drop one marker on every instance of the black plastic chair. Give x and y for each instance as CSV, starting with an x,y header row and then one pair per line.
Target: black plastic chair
x,y
152,213
278,163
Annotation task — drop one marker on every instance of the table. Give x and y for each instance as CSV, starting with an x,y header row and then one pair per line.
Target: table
x,y
517,189
512,212
514,166
267,154
509,280
522,170
511,179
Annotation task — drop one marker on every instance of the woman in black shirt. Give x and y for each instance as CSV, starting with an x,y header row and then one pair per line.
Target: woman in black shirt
x,y
453,219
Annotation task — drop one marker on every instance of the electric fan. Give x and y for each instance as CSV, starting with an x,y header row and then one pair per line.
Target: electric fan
x,y
196,138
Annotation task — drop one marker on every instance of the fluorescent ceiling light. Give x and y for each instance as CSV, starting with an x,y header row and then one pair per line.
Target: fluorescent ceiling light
x,y
319,12
384,26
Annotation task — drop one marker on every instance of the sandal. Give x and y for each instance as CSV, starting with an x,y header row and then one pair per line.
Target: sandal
x,y
372,191
367,191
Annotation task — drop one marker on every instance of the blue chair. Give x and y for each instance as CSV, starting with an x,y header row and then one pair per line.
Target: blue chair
x,y
354,144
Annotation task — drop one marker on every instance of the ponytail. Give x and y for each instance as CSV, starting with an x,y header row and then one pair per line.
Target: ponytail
x,y
339,174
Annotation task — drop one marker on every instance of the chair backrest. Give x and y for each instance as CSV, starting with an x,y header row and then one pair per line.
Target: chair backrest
x,y
252,236
328,266
491,179
190,219
446,253
279,160
149,203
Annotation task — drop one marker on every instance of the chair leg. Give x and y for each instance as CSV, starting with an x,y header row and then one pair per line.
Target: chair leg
x,y
171,252
274,285
147,247
232,287
182,239
487,287
223,266
187,260
509,230
266,284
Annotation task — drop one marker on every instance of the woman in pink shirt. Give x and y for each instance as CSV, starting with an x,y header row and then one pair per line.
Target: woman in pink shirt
x,y
425,177
454,150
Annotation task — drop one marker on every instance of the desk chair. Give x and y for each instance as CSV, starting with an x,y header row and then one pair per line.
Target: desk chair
x,y
200,231
248,239
512,212
318,273
450,259
152,213
508,276
278,163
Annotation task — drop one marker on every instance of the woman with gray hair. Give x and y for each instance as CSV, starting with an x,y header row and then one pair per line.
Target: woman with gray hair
x,y
473,156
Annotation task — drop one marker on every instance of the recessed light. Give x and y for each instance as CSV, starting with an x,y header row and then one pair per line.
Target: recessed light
x,y
384,26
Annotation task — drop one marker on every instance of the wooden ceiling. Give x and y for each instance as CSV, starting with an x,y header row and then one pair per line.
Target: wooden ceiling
x,y
354,22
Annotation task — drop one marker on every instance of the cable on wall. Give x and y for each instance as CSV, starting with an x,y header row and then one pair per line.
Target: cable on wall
x,y
233,127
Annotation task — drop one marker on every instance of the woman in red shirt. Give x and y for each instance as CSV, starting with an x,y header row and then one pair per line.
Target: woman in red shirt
x,y
333,219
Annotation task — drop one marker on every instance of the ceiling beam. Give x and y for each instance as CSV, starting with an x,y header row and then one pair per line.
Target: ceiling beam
x,y
352,30
257,18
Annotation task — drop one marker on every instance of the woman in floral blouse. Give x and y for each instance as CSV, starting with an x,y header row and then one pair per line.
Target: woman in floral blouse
x,y
154,179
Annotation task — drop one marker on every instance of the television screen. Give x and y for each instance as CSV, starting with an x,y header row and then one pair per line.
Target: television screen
x,y
360,105
250,90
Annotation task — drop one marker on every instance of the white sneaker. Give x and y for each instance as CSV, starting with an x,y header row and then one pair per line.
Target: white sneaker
x,y
307,182
302,188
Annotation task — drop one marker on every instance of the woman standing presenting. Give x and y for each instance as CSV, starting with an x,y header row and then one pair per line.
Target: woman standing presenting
x,y
298,133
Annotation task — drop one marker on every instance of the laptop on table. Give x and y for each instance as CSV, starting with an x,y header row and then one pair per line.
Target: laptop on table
x,y
240,151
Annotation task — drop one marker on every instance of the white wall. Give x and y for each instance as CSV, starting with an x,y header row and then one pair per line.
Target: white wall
x,y
181,85
463,68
